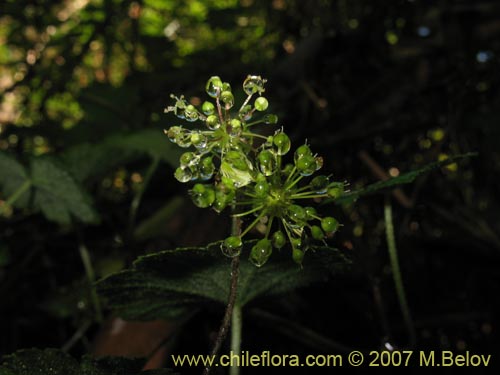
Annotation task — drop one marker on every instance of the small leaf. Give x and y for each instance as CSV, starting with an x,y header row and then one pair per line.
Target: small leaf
x,y
56,362
405,178
58,195
165,284
12,176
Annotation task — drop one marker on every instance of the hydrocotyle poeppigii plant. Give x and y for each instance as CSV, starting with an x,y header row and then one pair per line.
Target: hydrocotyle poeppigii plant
x,y
253,174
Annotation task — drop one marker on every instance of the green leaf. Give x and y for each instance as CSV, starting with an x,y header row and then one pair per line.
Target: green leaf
x,y
405,178
56,362
89,160
92,160
166,284
54,190
12,177
57,194
148,141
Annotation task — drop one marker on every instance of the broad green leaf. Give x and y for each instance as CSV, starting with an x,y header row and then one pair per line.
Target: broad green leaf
x,y
90,160
56,362
148,141
12,176
164,284
405,178
57,194
53,189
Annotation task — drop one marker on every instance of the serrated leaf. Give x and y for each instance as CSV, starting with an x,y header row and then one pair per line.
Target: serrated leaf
x,y
405,178
57,194
12,176
163,284
56,362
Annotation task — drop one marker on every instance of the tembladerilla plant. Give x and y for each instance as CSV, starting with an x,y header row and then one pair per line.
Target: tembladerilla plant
x,y
248,172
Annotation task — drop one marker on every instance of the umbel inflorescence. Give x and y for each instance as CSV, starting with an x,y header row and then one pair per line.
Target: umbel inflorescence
x,y
254,175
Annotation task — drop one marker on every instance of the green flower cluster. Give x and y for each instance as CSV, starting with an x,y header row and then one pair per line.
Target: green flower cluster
x,y
249,172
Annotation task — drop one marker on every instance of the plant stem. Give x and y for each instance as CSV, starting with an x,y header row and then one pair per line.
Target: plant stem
x,y
236,327
396,272
89,271
226,321
15,196
134,206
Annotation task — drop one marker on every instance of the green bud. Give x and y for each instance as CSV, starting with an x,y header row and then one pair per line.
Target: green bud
x,y
203,195
320,184
253,85
214,86
267,162
282,143
310,213
297,255
270,119
208,108
302,151
306,165
335,190
317,233
261,104
231,246
261,189
212,122
188,159
207,168
227,98
183,174
279,239
190,113
329,224
235,127
261,252
296,213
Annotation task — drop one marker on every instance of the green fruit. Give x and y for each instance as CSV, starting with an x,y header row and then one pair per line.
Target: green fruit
x,y
212,122
208,108
279,239
261,104
231,246
227,98
329,224
306,165
317,233
214,86
261,252
203,195
320,184
282,143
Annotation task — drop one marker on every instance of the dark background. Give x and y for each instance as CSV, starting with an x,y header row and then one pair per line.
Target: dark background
x,y
393,84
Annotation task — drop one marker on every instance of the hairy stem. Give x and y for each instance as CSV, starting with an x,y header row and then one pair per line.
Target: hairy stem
x,y
226,321
396,272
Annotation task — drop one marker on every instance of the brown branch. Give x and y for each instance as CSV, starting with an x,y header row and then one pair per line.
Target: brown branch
x,y
226,321
381,174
